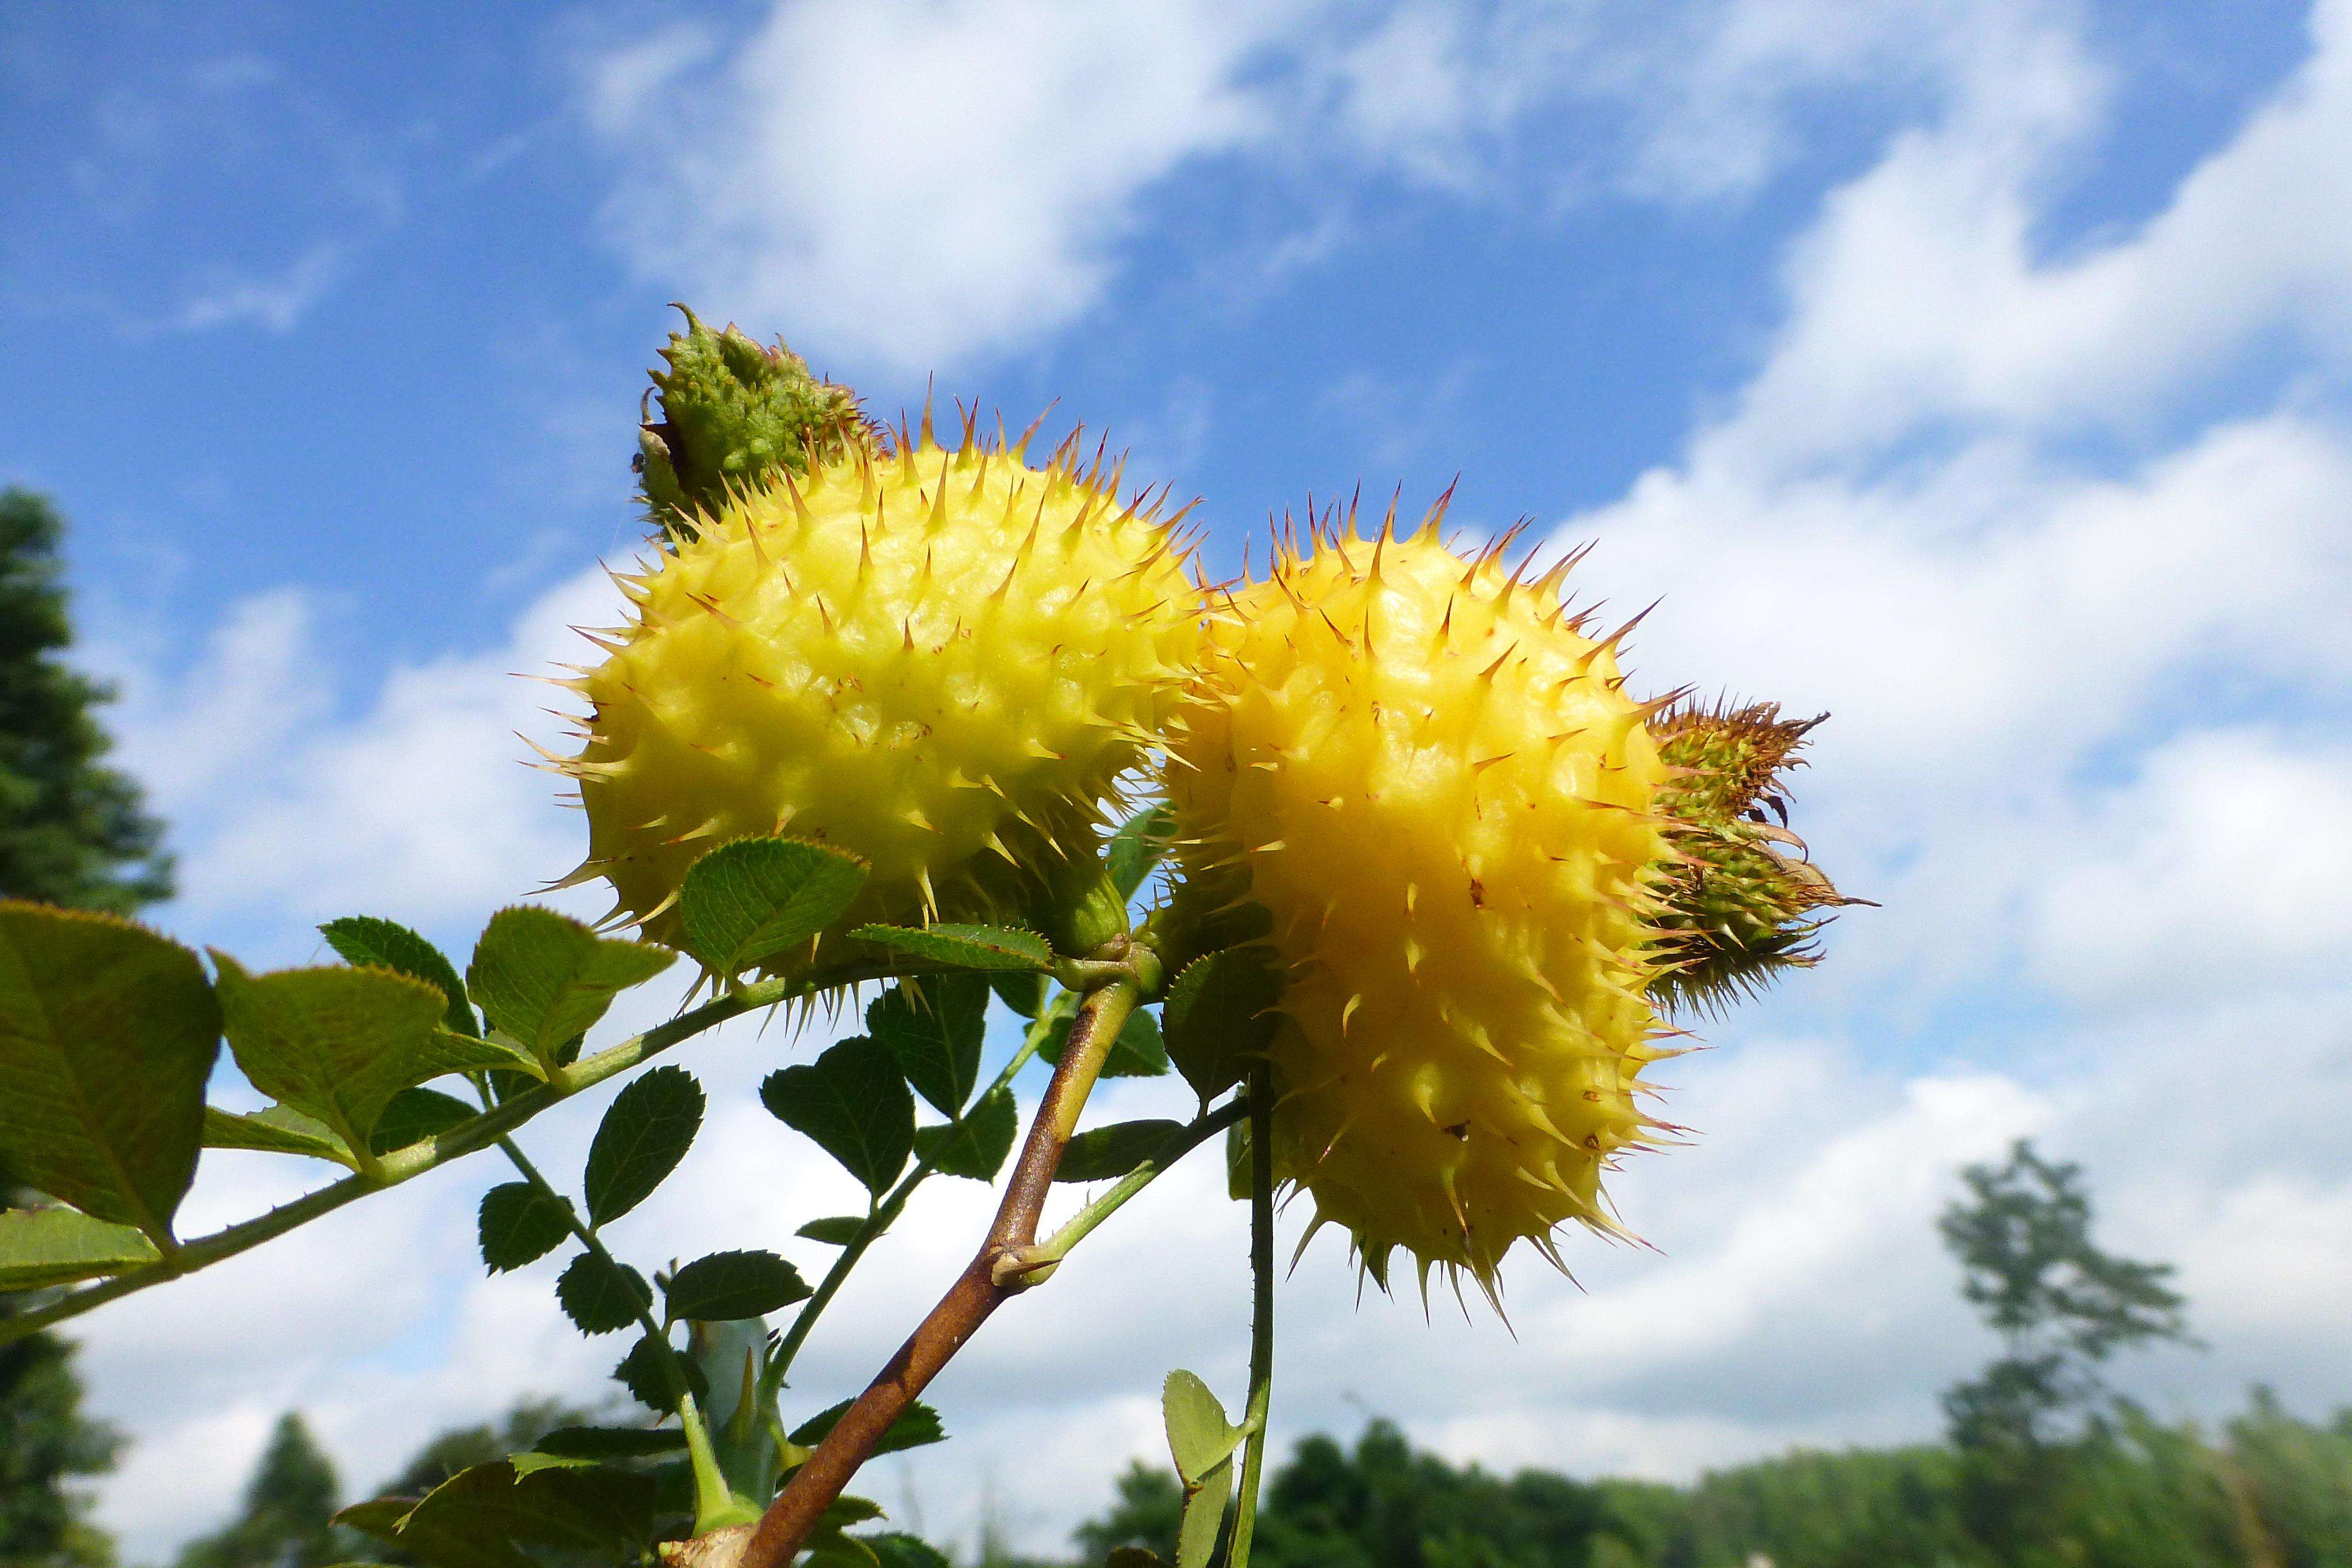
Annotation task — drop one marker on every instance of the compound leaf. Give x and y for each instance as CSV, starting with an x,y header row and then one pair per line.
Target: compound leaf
x,y
520,1224
853,1104
337,1044
644,1135
1136,1053
279,1129
918,1426
1220,1015
756,898
724,1286
368,942
544,979
1100,1154
966,946
45,1247
976,1144
644,1372
1200,1436
601,1297
934,1034
108,1033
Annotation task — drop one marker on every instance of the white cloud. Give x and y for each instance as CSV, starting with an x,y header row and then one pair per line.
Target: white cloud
x,y
2231,855
274,301
912,182
919,184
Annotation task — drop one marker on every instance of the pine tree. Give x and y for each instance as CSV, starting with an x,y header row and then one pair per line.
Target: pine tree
x,y
287,1520
72,831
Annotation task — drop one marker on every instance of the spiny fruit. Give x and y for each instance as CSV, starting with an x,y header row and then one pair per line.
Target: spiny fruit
x,y
1429,776
941,660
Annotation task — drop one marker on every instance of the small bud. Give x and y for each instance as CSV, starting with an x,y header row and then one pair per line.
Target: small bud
x,y
1741,906
732,412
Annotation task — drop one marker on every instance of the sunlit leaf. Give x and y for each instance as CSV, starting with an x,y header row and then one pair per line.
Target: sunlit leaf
x,y
386,945
752,900
545,979
108,1033
966,946
44,1246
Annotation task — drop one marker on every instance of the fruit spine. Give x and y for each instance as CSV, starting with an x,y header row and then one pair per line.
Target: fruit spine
x,y
1429,778
942,660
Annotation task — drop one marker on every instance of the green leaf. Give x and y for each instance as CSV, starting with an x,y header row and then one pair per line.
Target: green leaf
x,y
834,1230
367,942
918,1426
643,1137
644,1373
44,1246
335,1043
1205,1518
829,1548
379,1517
895,1550
748,900
415,1114
108,1033
966,947
446,1052
1023,991
280,1129
934,1034
597,1510
1136,1053
852,1102
1199,1437
601,1297
1100,1154
1140,843
725,1286
976,1144
847,1511
613,1442
518,1225
545,980
1220,1016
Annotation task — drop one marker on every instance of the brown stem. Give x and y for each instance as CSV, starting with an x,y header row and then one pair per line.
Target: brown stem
x,y
976,1292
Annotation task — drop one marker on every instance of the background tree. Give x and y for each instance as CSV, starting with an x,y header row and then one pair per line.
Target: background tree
x,y
462,1448
72,831
2061,1308
287,1520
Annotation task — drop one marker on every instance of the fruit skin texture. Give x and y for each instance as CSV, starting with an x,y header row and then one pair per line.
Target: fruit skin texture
x,y
1431,780
939,660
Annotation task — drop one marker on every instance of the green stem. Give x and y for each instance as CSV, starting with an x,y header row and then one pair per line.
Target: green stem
x,y
715,1504
1261,1392
882,1217
404,1164
1178,1143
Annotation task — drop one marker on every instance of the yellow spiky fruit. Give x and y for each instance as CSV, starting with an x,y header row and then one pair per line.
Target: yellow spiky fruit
x,y
941,660
1432,780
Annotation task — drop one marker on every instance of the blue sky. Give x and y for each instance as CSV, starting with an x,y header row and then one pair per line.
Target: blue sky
x,y
1976,371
